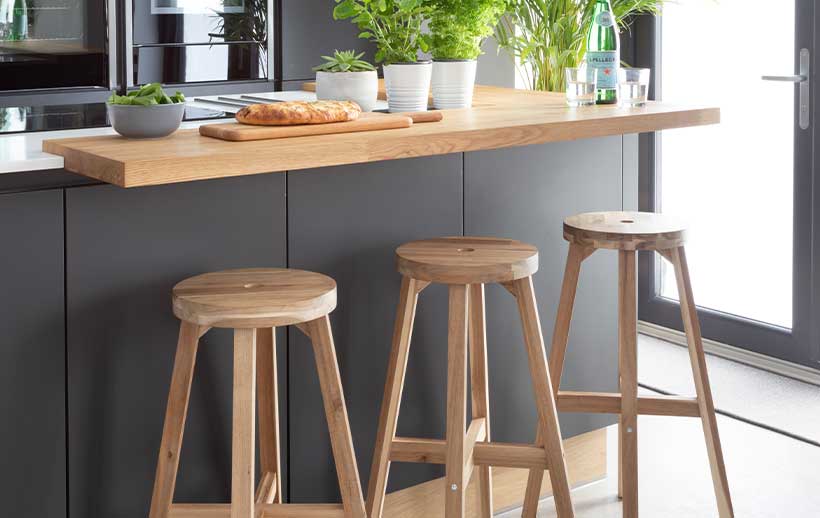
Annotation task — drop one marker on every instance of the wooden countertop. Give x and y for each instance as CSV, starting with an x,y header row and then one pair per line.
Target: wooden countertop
x,y
500,118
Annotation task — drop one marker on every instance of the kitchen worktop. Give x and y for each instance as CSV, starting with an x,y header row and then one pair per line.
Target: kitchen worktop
x,y
499,118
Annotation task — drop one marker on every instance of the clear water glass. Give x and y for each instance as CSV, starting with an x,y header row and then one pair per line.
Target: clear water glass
x,y
633,86
581,85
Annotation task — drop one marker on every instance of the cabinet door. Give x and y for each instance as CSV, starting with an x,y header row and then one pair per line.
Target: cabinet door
x,y
32,355
347,222
309,32
125,251
525,193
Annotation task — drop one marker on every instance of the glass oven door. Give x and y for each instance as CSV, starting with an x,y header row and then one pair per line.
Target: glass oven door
x,y
56,44
195,41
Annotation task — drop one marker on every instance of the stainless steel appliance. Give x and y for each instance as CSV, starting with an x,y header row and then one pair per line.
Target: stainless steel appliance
x,y
198,41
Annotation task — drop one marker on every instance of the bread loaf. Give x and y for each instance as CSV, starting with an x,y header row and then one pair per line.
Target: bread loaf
x,y
299,112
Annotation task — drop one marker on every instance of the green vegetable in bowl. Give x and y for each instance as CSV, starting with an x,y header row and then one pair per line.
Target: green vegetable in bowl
x,y
149,95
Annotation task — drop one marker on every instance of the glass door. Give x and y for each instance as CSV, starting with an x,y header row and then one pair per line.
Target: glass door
x,y
744,186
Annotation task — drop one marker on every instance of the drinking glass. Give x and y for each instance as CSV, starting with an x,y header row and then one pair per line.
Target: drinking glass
x,y
633,86
581,85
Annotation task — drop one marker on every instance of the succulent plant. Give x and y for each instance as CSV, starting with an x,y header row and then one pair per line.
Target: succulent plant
x,y
344,61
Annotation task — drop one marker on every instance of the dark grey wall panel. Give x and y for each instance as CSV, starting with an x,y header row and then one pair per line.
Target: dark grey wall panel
x,y
347,222
524,193
125,251
309,31
32,356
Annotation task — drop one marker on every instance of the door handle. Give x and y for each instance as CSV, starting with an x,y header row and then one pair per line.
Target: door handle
x,y
786,79
804,81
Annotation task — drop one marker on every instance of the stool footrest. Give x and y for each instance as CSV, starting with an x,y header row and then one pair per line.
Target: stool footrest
x,y
434,451
261,511
610,403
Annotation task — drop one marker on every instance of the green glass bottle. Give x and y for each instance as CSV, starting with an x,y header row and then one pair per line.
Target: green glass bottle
x,y
603,52
19,21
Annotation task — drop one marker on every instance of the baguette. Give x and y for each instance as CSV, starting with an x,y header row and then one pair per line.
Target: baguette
x,y
299,112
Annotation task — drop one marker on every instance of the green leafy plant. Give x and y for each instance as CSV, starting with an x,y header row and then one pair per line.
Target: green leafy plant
x,y
149,95
251,25
547,36
344,61
458,27
393,25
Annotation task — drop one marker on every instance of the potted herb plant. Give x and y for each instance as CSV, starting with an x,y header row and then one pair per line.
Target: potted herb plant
x,y
547,37
395,26
346,77
457,30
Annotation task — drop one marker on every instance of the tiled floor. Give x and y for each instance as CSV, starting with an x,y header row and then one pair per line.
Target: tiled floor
x,y
770,475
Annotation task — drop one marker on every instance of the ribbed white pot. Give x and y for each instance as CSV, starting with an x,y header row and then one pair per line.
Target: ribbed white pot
x,y
408,86
361,87
453,84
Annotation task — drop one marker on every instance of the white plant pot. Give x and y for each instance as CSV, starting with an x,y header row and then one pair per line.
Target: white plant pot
x,y
408,86
453,84
361,87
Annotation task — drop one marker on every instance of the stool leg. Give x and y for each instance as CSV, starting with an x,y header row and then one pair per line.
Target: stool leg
x,y
544,397
267,394
456,402
479,379
341,439
394,384
175,414
560,337
628,362
244,415
702,386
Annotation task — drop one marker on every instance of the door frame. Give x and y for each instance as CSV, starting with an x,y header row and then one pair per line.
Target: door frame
x,y
801,344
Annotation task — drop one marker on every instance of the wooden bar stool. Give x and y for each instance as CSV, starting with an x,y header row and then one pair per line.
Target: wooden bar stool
x,y
253,303
628,232
466,264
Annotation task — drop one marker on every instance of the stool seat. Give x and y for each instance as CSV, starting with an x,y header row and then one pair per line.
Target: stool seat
x,y
467,260
254,298
625,231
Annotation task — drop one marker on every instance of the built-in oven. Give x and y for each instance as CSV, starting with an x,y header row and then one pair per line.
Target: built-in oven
x,y
57,44
198,41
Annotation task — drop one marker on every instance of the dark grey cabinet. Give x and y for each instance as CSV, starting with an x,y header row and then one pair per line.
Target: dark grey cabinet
x,y
309,31
125,251
525,193
346,222
32,355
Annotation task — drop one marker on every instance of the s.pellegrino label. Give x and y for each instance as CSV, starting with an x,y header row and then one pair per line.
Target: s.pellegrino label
x,y
603,52
606,63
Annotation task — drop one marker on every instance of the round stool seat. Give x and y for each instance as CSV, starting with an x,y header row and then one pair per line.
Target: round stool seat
x,y
625,230
254,298
467,260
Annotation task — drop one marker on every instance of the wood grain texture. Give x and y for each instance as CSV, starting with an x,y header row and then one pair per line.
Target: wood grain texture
x,y
243,456
267,398
341,439
501,118
625,230
479,384
544,397
235,132
628,362
254,298
467,260
175,415
703,389
456,402
391,402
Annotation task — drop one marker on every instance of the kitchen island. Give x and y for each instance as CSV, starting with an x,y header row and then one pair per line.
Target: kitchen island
x,y
88,270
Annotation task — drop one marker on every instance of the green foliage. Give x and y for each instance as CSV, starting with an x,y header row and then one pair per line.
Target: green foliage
x,y
458,27
249,25
344,61
552,35
393,25
149,95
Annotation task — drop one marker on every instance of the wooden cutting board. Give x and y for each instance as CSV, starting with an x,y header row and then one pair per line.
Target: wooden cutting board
x,y
236,132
